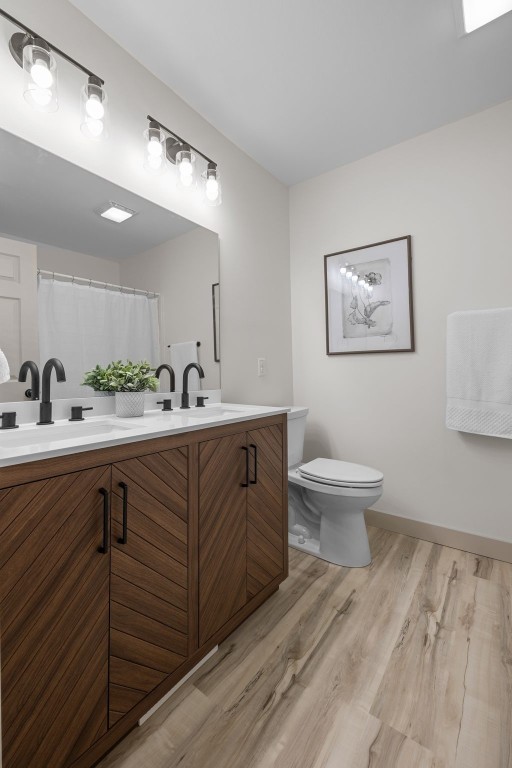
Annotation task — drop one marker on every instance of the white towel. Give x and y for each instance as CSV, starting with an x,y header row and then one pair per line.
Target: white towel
x,y
5,374
181,355
479,372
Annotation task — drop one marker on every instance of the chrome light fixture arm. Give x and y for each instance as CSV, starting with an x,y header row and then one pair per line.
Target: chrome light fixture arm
x,y
173,148
20,39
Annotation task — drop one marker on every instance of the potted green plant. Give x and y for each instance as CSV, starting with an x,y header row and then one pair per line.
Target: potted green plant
x,y
129,381
98,380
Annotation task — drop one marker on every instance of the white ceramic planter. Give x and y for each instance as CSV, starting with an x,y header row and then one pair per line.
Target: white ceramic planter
x,y
129,404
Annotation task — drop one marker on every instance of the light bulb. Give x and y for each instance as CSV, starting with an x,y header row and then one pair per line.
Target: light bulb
x,y
186,172
349,274
187,181
355,278
41,75
95,127
154,162
343,271
185,169
212,189
155,149
94,107
41,96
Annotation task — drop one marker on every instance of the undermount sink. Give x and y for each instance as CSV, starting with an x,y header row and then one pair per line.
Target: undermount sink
x,y
52,433
213,412
208,412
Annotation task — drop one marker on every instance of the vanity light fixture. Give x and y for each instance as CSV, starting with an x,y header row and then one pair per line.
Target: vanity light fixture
x,y
186,165
212,187
154,148
93,104
36,56
115,212
184,156
39,75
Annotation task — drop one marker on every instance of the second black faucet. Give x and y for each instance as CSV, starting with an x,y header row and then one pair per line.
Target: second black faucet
x,y
184,393
45,407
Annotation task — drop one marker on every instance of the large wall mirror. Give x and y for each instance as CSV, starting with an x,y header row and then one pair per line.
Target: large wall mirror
x,y
87,289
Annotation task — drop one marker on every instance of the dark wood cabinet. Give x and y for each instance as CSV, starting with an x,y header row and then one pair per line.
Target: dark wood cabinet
x,y
222,532
54,616
149,589
242,529
120,568
267,538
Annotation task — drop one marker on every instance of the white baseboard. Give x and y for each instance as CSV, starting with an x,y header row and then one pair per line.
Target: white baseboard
x,y
468,542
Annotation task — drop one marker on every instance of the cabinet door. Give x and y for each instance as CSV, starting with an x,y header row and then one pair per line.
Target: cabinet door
x,y
266,523
54,608
222,532
149,588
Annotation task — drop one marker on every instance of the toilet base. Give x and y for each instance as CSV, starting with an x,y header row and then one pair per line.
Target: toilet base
x,y
312,547
334,518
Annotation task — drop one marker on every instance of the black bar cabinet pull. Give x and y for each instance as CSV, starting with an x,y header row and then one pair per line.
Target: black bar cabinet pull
x,y
106,511
124,538
246,484
255,449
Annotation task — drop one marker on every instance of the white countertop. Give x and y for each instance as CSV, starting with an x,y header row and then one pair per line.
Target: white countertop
x,y
31,442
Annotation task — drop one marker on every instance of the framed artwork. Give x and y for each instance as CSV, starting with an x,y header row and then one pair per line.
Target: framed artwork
x,y
368,299
216,321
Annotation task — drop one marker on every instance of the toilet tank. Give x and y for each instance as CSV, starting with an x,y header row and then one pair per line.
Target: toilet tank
x,y
296,429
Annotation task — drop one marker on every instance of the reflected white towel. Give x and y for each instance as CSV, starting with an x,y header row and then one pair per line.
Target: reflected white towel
x,y
5,373
479,372
181,355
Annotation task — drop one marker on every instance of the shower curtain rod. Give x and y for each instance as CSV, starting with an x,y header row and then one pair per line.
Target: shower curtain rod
x,y
101,283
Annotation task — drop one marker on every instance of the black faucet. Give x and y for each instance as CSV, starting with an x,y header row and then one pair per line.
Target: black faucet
x,y
166,367
184,392
27,366
45,407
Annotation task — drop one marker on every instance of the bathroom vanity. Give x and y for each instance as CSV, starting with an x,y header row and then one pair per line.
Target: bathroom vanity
x,y
126,557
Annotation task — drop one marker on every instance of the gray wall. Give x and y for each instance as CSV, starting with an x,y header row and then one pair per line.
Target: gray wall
x,y
450,190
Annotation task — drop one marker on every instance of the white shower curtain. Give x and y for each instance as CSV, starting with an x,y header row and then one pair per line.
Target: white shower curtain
x,y
84,325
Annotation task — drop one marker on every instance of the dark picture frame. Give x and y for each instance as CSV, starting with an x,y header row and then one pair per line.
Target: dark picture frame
x,y
375,312
216,321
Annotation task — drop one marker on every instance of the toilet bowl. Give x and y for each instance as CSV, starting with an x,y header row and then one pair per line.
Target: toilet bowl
x,y
327,500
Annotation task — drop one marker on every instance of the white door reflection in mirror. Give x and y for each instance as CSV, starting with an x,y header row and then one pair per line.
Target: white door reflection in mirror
x,y
18,310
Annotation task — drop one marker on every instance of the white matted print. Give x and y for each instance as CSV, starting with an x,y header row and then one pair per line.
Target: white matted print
x,y
368,295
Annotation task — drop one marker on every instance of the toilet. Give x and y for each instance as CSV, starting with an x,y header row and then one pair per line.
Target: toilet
x,y
326,502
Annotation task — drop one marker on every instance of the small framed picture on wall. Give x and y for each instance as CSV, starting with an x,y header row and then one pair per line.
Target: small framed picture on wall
x,y
368,298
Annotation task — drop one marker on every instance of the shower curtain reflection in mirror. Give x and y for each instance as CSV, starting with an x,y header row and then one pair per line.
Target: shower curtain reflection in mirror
x,y
84,325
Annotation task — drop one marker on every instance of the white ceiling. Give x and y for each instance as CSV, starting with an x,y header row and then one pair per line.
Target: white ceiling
x,y
45,199
304,86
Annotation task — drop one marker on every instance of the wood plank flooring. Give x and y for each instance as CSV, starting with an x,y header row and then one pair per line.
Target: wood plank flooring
x,y
404,664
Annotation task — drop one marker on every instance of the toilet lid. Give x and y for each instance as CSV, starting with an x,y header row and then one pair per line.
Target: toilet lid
x,y
342,473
